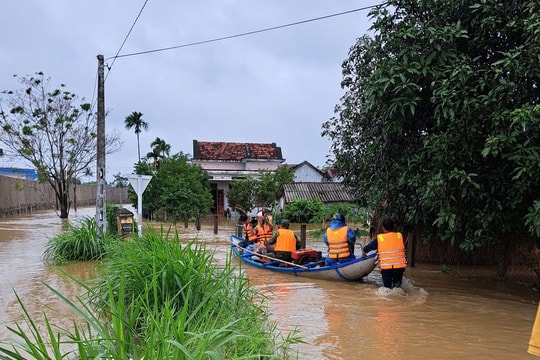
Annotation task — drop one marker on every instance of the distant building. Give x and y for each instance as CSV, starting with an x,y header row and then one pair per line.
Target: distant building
x,y
327,192
30,174
226,161
306,172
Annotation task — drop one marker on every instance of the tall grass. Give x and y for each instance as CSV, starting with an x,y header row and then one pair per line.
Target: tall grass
x,y
159,300
78,243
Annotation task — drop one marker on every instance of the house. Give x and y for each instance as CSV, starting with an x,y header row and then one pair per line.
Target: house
x,y
305,172
327,192
226,161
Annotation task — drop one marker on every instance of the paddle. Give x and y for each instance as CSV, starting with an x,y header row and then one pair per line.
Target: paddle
x,y
271,258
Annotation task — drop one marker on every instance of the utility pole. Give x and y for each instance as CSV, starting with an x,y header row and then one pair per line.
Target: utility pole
x,y
101,218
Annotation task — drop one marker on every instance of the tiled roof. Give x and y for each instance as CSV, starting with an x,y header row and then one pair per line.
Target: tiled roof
x,y
213,150
327,192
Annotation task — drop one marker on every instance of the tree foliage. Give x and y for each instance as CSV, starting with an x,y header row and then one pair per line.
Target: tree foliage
x,y
268,184
304,211
178,188
246,194
440,120
135,121
160,150
53,131
240,194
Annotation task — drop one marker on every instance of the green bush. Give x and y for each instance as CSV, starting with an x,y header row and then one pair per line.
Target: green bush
x,y
159,280
304,211
157,300
78,243
112,219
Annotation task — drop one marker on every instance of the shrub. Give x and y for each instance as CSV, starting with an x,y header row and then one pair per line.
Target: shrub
x,y
78,243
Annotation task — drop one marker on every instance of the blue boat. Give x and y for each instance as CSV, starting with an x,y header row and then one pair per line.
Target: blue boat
x,y
353,270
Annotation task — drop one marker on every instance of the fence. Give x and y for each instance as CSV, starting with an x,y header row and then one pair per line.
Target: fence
x,y
523,263
19,196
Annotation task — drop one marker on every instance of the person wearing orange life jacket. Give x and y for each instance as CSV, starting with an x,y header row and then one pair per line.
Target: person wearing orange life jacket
x,y
263,230
391,250
249,237
283,242
534,342
340,240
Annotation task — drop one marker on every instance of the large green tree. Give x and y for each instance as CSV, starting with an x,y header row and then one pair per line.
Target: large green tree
x,y
136,122
178,187
53,130
440,121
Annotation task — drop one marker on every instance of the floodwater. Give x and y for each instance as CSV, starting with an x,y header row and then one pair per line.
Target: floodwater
x,y
435,316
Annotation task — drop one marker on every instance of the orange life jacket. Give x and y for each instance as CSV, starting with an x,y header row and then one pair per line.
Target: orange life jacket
x,y
263,233
249,235
286,241
338,246
391,251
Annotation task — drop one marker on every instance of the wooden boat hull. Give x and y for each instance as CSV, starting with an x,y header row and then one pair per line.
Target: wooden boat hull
x,y
350,271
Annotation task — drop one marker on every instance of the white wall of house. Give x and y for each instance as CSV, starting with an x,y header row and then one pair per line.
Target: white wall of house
x,y
307,173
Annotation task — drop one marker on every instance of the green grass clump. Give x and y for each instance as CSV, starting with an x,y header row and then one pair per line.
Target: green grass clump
x,y
78,243
158,299
160,278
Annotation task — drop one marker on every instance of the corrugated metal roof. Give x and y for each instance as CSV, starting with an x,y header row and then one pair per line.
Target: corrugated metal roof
x,y
327,192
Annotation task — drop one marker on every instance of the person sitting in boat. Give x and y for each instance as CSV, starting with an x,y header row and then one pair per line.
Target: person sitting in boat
x,y
263,230
340,240
249,237
283,243
391,250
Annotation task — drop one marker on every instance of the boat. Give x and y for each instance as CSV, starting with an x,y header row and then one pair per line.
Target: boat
x,y
308,266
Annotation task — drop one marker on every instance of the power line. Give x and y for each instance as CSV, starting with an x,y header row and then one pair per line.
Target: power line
x,y
119,49
127,35
244,34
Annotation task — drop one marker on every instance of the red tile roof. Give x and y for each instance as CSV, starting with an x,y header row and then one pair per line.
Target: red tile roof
x,y
211,150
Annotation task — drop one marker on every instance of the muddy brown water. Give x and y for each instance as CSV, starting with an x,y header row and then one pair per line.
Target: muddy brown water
x,y
435,316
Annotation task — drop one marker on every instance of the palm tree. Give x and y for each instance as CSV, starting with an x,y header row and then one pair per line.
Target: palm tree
x,y
160,149
134,120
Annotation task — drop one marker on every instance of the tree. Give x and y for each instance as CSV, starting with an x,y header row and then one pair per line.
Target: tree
x,y
240,194
120,180
134,120
160,150
268,184
53,132
440,120
181,188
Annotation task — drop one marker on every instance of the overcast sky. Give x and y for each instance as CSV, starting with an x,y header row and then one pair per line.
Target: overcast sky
x,y
274,86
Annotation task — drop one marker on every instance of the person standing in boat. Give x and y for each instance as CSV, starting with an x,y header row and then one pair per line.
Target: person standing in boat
x,y
284,242
340,240
391,250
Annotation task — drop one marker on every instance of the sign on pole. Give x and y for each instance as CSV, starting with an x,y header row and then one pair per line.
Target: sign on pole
x,y
139,183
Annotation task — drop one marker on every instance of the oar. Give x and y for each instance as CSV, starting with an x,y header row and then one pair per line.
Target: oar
x,y
271,258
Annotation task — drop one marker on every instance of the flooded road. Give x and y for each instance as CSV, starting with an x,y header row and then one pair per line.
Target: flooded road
x,y
435,316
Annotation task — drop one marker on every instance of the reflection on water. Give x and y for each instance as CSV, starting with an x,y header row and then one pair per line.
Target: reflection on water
x,y
434,317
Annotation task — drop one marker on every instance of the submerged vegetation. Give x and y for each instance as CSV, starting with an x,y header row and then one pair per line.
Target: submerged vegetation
x,y
78,243
155,299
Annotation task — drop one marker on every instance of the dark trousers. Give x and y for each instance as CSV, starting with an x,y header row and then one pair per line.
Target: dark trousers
x,y
392,278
